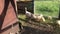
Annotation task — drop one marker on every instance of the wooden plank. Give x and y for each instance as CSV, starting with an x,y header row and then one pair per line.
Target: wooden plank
x,y
7,15
9,29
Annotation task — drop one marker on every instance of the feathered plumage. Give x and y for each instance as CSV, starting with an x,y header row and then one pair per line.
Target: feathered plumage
x,y
28,14
33,16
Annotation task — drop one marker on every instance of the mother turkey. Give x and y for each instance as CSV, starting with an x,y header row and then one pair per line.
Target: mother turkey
x,y
29,15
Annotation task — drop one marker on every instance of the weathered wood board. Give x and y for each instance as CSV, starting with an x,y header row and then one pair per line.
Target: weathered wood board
x,y
8,18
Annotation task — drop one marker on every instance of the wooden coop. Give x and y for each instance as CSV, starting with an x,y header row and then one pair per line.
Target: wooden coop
x,y
25,3
8,18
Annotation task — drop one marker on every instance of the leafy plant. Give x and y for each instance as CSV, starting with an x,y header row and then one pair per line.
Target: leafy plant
x,y
46,7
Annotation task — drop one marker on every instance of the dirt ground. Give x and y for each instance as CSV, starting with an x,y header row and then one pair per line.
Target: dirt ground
x,y
31,27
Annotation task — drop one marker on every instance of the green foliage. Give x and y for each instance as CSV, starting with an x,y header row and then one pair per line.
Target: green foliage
x,y
46,7
46,0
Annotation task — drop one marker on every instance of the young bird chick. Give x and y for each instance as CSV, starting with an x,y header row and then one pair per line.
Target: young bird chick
x,y
41,18
58,22
49,17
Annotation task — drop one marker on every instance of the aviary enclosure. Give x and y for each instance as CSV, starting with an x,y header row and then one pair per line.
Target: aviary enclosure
x,y
50,11
36,17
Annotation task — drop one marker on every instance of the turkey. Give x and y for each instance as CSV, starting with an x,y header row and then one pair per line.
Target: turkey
x,y
29,15
40,18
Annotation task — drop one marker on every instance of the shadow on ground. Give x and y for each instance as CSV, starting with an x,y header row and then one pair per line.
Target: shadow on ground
x,y
29,30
